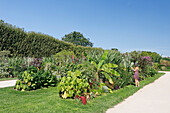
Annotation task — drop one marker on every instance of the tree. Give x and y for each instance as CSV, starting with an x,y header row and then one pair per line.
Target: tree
x,y
77,38
114,49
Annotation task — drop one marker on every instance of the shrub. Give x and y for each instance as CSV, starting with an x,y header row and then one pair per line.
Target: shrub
x,y
37,62
156,66
73,85
163,68
4,67
34,79
126,78
18,65
63,56
165,62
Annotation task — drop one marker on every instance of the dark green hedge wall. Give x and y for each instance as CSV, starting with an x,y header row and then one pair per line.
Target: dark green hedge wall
x,y
31,44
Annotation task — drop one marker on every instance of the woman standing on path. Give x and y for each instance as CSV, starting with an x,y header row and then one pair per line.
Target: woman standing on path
x,y
136,75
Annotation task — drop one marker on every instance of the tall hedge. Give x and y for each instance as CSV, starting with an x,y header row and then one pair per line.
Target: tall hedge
x,y
31,44
11,38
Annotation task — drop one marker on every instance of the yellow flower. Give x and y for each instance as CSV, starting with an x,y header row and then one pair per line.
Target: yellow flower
x,y
38,68
65,95
29,83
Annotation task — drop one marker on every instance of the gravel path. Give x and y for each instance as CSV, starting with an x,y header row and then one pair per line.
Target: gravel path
x,y
7,83
153,98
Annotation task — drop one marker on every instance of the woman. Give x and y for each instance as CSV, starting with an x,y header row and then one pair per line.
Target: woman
x,y
136,75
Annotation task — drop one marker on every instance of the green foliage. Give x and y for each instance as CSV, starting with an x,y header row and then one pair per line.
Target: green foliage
x,y
4,68
145,62
11,67
155,56
12,39
163,68
166,58
108,67
125,78
135,56
63,56
114,49
87,70
5,53
114,57
34,79
77,38
18,65
126,62
103,71
156,66
165,62
73,84
31,44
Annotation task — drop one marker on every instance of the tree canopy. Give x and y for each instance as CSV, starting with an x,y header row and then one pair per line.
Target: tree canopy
x,y
77,38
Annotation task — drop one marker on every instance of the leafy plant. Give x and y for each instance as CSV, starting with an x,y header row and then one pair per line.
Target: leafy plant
x,y
35,79
103,71
4,67
63,56
18,65
87,70
73,85
37,62
156,66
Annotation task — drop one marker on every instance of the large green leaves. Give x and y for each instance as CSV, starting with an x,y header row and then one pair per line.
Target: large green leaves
x,y
73,84
107,69
35,79
102,60
108,77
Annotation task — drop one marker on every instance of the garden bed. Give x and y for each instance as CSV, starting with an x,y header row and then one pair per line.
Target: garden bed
x,y
48,100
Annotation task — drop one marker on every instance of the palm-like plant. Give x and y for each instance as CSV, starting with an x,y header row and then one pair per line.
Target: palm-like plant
x,y
114,57
103,69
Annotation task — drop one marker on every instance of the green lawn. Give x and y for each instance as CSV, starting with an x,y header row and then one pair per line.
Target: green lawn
x,y
2,79
48,100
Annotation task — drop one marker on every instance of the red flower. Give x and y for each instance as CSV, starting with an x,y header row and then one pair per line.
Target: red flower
x,y
76,96
91,83
83,100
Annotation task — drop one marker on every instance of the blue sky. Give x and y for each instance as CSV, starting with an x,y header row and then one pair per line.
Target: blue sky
x,y
124,24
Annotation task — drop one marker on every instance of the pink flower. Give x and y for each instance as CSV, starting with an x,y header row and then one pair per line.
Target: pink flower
x,y
73,57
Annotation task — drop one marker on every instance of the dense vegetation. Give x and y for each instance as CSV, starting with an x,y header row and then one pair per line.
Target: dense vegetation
x,y
84,77
31,44
165,64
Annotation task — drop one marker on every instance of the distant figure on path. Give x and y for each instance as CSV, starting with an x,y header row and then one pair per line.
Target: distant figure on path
x,y
136,75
